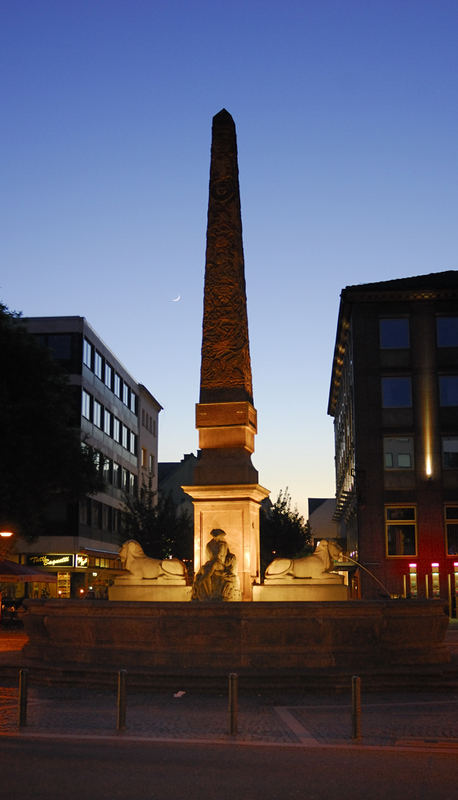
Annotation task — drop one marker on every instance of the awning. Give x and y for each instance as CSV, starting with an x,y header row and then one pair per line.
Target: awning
x,y
10,572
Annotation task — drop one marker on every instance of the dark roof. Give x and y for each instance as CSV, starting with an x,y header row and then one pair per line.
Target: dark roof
x,y
434,280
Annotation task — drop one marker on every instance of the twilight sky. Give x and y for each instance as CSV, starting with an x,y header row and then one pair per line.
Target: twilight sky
x,y
347,123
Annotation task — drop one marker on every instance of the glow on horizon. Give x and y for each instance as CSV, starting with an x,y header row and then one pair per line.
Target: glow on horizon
x,y
347,143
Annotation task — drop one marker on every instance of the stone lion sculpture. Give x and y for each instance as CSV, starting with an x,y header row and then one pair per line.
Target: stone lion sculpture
x,y
142,567
314,568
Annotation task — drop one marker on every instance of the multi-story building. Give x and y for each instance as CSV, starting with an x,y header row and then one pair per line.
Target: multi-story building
x,y
394,399
118,419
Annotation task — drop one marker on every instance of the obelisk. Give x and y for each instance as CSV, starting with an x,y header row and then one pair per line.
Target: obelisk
x,y
226,492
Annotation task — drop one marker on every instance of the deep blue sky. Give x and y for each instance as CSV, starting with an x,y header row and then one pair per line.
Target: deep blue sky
x,y
347,117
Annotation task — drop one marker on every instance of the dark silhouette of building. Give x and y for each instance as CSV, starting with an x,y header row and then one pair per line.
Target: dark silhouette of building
x,y
118,418
394,399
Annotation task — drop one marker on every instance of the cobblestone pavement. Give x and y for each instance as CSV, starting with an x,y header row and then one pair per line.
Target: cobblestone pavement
x,y
311,720
391,718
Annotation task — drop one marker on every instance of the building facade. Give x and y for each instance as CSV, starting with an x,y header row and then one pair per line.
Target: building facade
x,y
118,419
394,400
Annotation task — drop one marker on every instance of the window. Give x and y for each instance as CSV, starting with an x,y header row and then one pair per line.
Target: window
x,y
116,475
98,364
398,452
394,333
97,414
107,422
125,436
448,390
107,470
125,479
401,530
133,443
451,530
144,457
133,402
396,393
87,353
447,331
86,405
450,452
108,375
151,464
125,394
116,429
117,385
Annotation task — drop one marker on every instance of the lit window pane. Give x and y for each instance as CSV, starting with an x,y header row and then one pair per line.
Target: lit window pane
x,y
401,540
450,452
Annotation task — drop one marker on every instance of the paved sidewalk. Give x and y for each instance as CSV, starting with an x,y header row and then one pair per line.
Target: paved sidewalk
x,y
392,718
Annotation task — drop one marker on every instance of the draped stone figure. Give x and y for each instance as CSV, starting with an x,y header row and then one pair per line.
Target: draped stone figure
x,y
217,579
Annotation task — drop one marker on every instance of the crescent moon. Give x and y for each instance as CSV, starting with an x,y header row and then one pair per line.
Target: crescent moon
x,y
176,299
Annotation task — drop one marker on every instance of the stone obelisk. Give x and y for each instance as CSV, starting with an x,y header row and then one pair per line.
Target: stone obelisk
x,y
226,492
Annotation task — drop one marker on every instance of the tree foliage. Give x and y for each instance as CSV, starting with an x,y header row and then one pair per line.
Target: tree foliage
x,y
42,459
153,521
283,531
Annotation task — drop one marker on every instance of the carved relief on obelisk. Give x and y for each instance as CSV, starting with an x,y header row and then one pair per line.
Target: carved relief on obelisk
x,y
225,367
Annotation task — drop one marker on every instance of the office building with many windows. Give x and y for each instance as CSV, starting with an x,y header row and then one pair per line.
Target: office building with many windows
x,y
118,419
394,400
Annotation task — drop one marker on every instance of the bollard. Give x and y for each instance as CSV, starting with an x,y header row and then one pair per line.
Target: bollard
x,y
121,701
22,698
233,703
355,707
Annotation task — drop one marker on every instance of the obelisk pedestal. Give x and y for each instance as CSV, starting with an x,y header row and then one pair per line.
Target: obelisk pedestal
x,y
226,493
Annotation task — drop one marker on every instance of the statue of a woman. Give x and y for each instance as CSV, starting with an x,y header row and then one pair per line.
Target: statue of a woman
x,y
217,579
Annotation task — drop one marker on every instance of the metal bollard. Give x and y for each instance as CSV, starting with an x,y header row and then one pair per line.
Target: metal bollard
x,y
22,697
355,707
233,703
121,701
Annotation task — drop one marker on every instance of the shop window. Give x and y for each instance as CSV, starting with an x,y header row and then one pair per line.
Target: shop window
x,y
451,530
447,331
394,333
396,392
398,452
401,531
450,452
448,390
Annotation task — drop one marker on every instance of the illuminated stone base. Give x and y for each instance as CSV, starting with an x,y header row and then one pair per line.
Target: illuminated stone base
x,y
300,592
149,591
250,638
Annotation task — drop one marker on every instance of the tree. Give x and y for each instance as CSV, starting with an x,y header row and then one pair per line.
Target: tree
x,y
42,462
153,521
283,531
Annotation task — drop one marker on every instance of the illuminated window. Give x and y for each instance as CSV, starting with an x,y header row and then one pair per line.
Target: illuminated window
x,y
394,333
447,331
401,530
87,353
398,452
98,364
86,405
396,392
448,390
450,452
451,530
